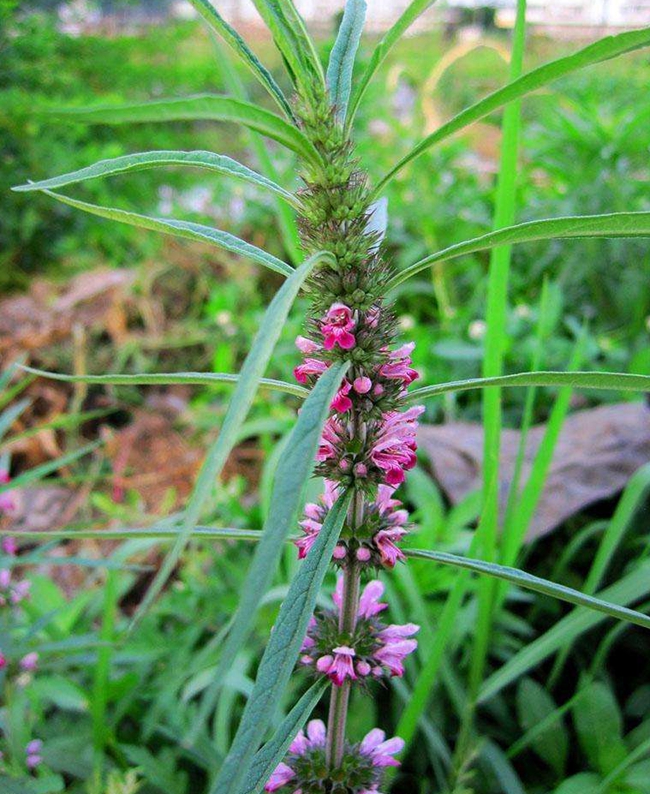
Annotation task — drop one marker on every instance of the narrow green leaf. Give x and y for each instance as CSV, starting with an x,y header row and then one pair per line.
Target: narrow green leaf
x,y
167,378
530,582
291,38
256,362
209,107
291,476
38,472
617,224
10,414
191,231
141,533
239,46
629,589
615,381
144,160
343,55
390,38
603,50
281,652
270,755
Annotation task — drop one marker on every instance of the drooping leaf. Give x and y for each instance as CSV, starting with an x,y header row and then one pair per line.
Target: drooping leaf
x,y
535,583
615,381
191,231
602,50
138,162
599,725
270,755
235,41
208,107
630,588
616,224
535,704
256,362
167,378
282,651
291,476
343,55
390,38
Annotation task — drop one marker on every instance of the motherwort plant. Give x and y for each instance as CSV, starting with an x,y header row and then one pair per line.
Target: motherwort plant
x,y
358,423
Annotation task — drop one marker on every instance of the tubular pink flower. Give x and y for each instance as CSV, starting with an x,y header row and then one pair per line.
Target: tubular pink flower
x,y
307,346
330,440
385,541
398,366
341,402
380,750
369,604
7,503
315,515
337,326
394,448
9,546
29,662
342,666
392,655
280,777
310,367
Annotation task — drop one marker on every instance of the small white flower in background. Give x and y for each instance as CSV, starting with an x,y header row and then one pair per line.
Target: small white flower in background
x,y
477,329
523,311
647,323
406,322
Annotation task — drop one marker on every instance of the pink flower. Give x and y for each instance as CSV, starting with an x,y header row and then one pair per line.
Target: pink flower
x,y
369,604
280,777
307,346
29,662
394,448
337,326
3,661
341,402
398,366
330,441
315,515
342,666
7,504
392,655
380,750
362,385
310,367
9,546
385,541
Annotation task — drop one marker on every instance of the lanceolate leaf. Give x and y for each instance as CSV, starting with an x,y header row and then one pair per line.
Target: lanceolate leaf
x,y
256,362
293,471
209,107
617,224
168,378
234,40
603,50
530,582
191,231
627,590
394,34
344,52
269,756
144,160
155,532
616,381
10,414
281,652
293,41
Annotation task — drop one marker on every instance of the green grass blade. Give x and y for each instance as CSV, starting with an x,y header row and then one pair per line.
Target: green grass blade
x,y
390,38
144,160
38,472
270,755
629,589
616,224
219,25
535,583
101,674
291,477
613,381
186,229
603,50
343,56
282,651
10,414
167,378
256,362
208,107
291,38
155,532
